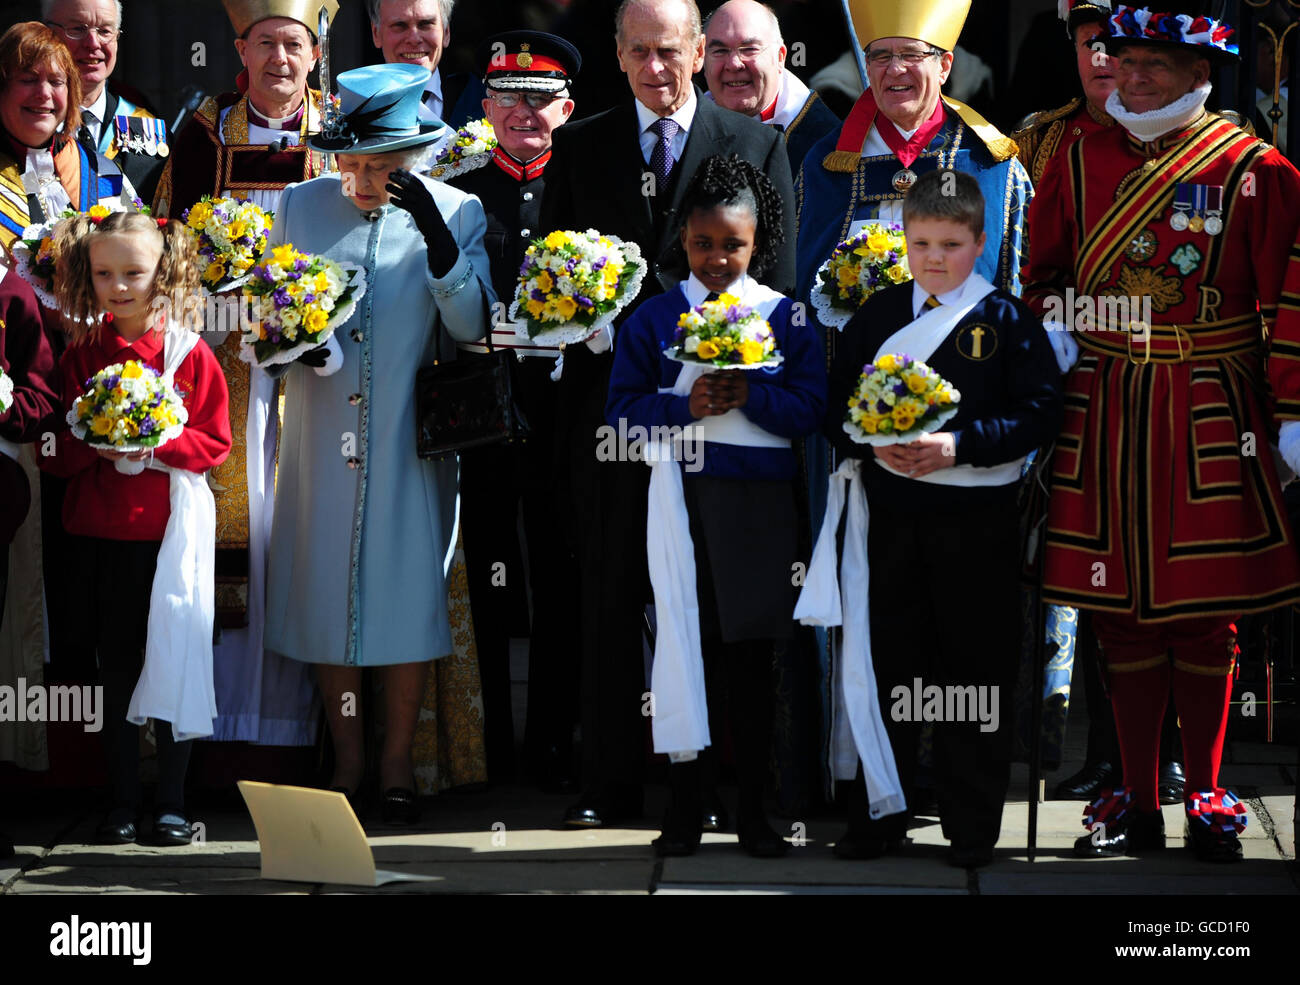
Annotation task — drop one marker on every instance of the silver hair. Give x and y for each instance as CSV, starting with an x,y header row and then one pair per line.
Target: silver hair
x,y
692,8
417,160
773,19
444,10
47,8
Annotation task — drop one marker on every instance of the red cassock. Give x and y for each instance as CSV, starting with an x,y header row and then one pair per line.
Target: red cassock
x,y
1165,501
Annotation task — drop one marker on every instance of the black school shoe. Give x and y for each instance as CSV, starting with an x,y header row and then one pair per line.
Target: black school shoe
x,y
171,833
1087,783
400,806
1134,833
117,828
1171,783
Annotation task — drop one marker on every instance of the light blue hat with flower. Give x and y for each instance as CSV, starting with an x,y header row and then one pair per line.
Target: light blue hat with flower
x,y
379,112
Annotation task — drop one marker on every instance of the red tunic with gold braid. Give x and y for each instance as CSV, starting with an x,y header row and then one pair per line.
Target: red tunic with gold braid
x,y
1165,501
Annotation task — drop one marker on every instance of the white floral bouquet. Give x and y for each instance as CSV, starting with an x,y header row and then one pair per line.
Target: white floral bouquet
x,y
724,334
6,391
470,149
231,237
127,407
873,259
299,299
898,399
571,285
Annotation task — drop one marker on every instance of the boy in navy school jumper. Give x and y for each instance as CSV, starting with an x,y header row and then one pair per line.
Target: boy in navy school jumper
x,y
944,558
740,501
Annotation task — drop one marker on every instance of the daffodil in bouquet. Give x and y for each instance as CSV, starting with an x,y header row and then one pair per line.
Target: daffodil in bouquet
x,y
725,334
573,284
298,300
231,238
127,407
873,259
35,255
469,149
897,400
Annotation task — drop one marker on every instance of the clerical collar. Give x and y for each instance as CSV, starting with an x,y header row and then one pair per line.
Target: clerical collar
x,y
291,122
519,170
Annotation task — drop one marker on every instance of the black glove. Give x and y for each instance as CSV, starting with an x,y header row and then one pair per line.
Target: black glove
x,y
315,357
408,192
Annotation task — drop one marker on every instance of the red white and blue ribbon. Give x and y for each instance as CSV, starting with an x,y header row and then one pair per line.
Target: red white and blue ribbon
x,y
1109,807
1142,24
1220,809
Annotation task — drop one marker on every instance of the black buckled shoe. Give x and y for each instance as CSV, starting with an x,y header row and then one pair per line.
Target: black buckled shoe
x,y
171,828
1211,845
603,809
715,814
400,806
1171,783
1087,783
1136,832
118,828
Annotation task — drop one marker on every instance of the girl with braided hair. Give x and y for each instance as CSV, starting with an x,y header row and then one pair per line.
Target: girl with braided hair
x,y
721,529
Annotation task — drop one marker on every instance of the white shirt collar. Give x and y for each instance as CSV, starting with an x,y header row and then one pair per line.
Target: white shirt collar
x,y
919,294
99,107
696,293
683,117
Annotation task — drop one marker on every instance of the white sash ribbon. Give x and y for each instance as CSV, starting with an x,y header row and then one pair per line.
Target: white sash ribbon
x,y
176,683
831,598
680,725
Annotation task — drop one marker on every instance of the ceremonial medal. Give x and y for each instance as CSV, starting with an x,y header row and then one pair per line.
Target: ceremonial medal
x,y
1180,220
150,137
1214,212
163,149
1197,222
904,179
123,128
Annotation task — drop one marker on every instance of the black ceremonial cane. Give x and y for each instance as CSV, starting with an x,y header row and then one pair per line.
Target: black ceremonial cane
x,y
1037,547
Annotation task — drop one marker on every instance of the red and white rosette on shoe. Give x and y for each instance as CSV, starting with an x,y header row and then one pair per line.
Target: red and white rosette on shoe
x,y
1221,810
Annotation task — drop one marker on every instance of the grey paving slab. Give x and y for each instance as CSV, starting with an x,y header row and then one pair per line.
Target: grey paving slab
x,y
1281,811
1002,883
722,863
683,889
198,880
524,877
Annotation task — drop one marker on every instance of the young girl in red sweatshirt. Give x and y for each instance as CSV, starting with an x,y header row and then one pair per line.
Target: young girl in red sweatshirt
x,y
118,280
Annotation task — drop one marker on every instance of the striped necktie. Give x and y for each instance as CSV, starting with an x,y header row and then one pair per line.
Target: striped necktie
x,y
933,302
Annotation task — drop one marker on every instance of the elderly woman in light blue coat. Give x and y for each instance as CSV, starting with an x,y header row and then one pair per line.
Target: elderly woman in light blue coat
x,y
363,528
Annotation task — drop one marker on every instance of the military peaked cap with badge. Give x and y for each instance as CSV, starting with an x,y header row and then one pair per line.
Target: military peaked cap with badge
x,y
527,61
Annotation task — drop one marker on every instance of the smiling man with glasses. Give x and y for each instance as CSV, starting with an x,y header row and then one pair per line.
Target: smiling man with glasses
x,y
744,66
113,125
901,127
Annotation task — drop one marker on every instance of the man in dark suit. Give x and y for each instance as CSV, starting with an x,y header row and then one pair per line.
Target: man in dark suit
x,y
114,126
624,172
416,32
744,65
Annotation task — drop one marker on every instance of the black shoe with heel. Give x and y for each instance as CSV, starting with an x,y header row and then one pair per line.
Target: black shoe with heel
x,y
1135,833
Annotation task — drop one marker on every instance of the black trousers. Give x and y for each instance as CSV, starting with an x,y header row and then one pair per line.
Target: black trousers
x,y
945,609
494,482
605,506
120,625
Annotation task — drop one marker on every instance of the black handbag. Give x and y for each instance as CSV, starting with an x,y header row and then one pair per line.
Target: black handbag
x,y
467,403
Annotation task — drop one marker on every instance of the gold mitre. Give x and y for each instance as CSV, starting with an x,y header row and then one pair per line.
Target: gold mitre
x,y
936,22
244,14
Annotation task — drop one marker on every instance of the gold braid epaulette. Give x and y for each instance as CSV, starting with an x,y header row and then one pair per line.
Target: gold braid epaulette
x,y
1039,136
